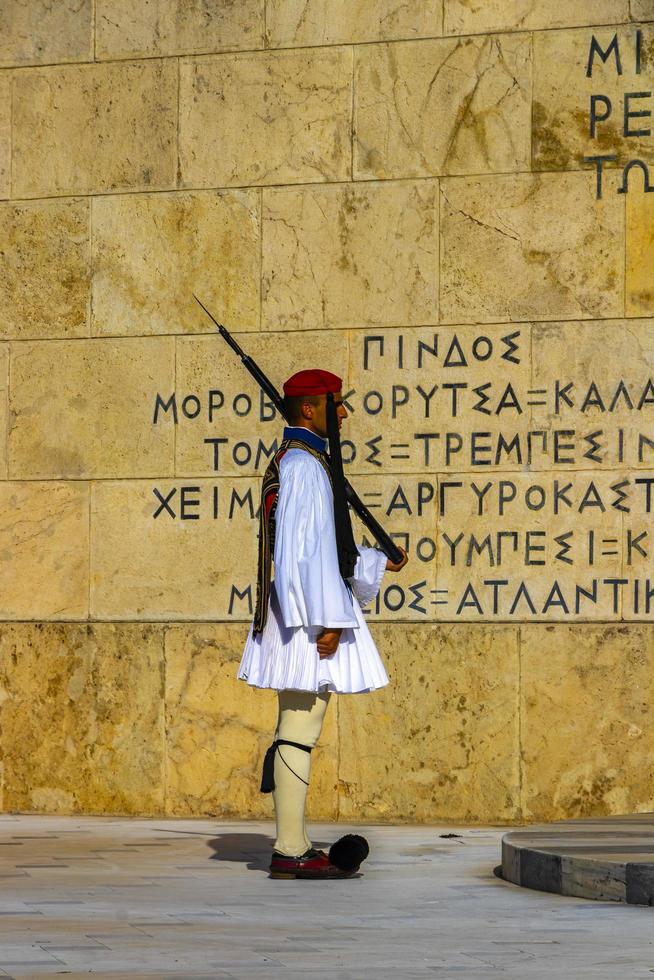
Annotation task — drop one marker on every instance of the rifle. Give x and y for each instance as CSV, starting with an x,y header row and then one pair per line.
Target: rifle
x,y
383,539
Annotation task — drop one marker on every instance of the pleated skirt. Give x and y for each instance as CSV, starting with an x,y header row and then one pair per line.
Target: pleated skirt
x,y
286,658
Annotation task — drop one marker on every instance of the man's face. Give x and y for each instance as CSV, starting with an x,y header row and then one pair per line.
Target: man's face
x,y
317,420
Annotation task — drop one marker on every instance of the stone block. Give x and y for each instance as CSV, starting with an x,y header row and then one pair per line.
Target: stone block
x,y
440,742
420,394
44,550
479,16
166,27
36,32
641,10
150,561
530,247
269,118
152,252
206,364
563,133
322,261
82,718
4,407
85,408
537,545
295,23
45,273
585,705
639,285
5,134
218,730
92,128
610,364
424,108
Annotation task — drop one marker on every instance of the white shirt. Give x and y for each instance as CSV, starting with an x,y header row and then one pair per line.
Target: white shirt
x,y
309,594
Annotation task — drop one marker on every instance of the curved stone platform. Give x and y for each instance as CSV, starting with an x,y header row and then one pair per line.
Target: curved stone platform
x,y
608,859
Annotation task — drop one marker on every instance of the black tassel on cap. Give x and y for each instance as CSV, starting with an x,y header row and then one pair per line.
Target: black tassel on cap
x,y
345,544
349,851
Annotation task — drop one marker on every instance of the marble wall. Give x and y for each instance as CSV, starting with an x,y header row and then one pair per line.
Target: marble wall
x,y
447,203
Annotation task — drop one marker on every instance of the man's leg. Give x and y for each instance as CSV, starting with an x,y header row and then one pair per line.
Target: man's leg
x,y
301,714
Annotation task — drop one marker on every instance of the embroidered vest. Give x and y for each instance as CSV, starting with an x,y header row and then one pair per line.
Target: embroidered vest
x,y
269,495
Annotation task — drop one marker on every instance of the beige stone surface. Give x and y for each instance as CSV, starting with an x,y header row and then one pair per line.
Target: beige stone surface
x,y
179,565
82,718
348,256
44,550
477,16
45,271
36,32
291,23
5,134
550,544
152,252
641,10
446,106
94,417
441,740
165,27
530,247
601,354
268,118
585,704
94,128
639,285
4,407
410,413
218,729
562,99
206,364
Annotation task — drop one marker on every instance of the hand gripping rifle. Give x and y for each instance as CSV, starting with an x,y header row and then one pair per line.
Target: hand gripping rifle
x,y
381,537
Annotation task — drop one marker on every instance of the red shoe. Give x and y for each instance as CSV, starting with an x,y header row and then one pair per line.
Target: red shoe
x,y
312,864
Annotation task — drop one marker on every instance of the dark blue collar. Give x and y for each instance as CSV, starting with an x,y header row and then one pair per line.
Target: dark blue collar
x,y
305,435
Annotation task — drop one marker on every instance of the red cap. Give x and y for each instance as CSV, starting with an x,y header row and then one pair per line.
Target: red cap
x,y
313,382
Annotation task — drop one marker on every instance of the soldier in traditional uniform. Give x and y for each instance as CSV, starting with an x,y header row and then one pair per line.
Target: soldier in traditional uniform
x,y
309,638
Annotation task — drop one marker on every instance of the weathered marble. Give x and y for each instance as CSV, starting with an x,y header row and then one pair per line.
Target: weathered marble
x,y
478,16
4,407
152,252
5,134
164,27
586,734
94,417
641,10
508,255
562,135
36,32
604,354
82,718
269,118
94,128
443,107
292,23
409,409
206,364
441,740
357,255
173,566
218,729
639,285
541,542
44,550
45,270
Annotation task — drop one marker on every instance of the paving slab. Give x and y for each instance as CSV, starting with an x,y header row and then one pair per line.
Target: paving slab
x,y
145,898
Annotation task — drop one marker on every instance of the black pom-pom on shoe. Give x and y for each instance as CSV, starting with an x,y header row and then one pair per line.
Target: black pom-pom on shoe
x,y
349,851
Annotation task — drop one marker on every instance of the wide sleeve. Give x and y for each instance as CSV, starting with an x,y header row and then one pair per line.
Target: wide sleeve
x,y
308,583
368,574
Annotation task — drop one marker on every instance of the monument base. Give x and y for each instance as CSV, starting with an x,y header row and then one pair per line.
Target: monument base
x,y
607,859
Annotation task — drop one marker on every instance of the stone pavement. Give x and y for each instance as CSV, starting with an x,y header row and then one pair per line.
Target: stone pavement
x,y
191,898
